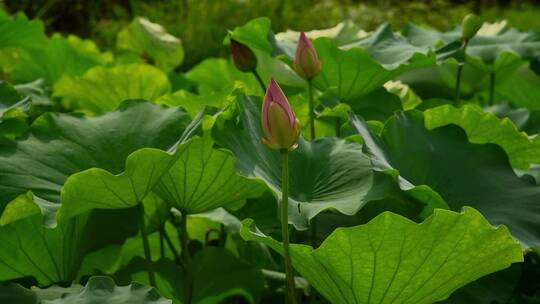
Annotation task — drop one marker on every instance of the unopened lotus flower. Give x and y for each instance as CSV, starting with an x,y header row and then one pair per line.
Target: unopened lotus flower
x,y
306,61
280,126
470,26
243,57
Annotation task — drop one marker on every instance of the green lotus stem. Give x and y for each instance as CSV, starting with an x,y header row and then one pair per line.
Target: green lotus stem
x,y
186,257
491,87
171,246
460,71
313,232
311,111
161,244
146,245
338,127
259,79
285,226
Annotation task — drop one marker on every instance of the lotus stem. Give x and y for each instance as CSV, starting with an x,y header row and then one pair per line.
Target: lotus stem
x,y
460,71
313,231
311,111
171,246
186,257
491,87
146,245
259,79
290,287
161,243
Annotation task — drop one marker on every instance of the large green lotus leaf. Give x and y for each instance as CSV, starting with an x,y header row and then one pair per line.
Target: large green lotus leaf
x,y
271,67
13,111
217,74
378,104
408,97
102,89
522,90
329,173
343,33
59,145
54,255
392,50
195,103
461,172
204,178
493,48
56,57
394,260
150,39
217,275
356,71
256,34
18,31
103,290
484,127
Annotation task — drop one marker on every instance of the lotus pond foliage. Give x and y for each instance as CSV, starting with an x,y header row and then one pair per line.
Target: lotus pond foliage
x,y
327,166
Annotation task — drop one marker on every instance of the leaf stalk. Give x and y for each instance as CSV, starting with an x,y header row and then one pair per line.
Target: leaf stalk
x,y
146,246
259,80
290,286
186,257
460,71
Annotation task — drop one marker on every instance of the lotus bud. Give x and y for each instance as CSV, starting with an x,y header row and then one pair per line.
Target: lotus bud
x,y
243,57
280,126
306,62
470,26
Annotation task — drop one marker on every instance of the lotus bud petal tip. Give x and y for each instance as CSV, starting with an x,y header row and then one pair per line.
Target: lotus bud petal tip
x,y
279,123
306,61
470,26
243,57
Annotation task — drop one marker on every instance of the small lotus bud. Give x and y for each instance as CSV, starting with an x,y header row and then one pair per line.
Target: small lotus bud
x,y
470,26
243,57
306,62
280,125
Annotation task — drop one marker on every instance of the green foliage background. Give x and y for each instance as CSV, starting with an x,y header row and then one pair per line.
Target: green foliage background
x,y
202,24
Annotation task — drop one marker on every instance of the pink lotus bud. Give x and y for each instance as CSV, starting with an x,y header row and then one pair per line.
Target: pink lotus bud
x,y
243,57
306,62
280,125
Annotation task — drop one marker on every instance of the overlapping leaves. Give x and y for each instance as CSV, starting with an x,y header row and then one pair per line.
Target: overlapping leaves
x,y
461,172
329,173
60,145
499,46
204,178
392,259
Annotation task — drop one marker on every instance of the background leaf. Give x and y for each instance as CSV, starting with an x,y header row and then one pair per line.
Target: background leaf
x,y
146,38
462,173
102,89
